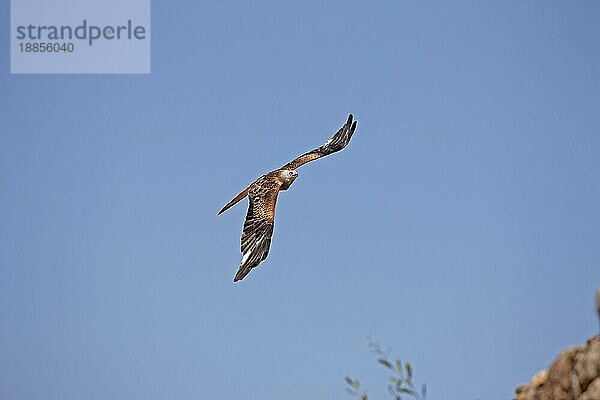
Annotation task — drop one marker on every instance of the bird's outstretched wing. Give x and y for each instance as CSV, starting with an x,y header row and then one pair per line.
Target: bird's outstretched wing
x,y
336,143
258,226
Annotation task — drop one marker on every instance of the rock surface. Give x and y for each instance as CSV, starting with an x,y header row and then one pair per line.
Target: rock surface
x,y
574,375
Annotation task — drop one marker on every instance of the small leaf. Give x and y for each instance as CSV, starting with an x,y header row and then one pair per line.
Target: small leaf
x,y
399,367
385,363
356,385
407,391
349,381
409,370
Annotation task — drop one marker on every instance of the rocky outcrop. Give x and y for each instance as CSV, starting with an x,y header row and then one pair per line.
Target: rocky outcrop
x,y
574,375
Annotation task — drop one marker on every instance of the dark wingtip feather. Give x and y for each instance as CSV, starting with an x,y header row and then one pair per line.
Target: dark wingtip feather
x,y
241,274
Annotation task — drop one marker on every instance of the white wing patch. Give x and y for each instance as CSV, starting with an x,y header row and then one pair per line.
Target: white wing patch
x,y
245,257
249,252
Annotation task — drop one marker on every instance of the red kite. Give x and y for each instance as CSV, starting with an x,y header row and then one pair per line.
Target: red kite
x,y
262,195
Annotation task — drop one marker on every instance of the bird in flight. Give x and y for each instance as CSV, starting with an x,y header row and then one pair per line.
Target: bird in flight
x,y
262,196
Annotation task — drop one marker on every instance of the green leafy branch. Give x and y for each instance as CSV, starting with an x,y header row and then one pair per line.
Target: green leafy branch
x,y
400,382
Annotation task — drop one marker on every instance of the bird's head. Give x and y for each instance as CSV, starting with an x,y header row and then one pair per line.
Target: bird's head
x,y
288,176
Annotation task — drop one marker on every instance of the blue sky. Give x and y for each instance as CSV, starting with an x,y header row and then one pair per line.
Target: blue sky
x,y
461,227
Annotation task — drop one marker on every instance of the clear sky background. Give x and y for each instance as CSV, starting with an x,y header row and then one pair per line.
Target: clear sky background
x,y
461,226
